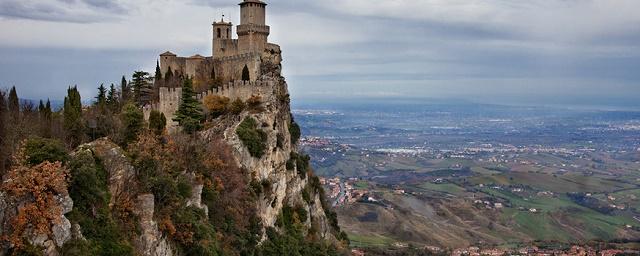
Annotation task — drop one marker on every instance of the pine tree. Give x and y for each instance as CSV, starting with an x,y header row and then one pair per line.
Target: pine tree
x,y
245,73
158,72
189,114
133,120
101,99
140,84
73,117
14,104
112,98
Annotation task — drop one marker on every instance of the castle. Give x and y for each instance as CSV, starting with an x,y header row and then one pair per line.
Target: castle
x,y
235,69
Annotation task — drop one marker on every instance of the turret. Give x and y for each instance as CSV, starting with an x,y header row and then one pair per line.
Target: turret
x,y
221,34
252,32
252,12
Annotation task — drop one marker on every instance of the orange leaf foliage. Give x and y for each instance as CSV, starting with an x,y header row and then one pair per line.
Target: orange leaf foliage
x,y
38,186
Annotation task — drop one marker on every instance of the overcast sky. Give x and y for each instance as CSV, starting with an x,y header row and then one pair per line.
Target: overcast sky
x,y
530,51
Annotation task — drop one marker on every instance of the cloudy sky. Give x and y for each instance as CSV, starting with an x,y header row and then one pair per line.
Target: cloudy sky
x,y
511,51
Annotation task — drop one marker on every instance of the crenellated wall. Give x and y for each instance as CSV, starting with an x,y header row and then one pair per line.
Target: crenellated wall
x,y
169,98
242,90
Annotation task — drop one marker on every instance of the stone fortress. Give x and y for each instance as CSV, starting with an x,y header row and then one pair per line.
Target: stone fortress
x,y
250,53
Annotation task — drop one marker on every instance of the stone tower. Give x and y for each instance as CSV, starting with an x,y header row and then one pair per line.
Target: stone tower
x,y
221,36
252,31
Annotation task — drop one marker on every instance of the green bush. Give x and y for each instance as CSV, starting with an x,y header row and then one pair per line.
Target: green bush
x,y
279,141
89,191
157,122
38,150
294,130
237,106
191,125
195,235
252,137
292,240
306,196
299,162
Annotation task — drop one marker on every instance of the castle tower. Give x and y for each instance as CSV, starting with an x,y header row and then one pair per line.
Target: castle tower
x,y
252,31
221,36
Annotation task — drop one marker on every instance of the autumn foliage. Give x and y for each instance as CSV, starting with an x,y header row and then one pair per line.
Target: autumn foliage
x,y
39,186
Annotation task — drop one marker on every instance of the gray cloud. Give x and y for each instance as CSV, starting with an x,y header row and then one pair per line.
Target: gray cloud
x,y
73,11
505,49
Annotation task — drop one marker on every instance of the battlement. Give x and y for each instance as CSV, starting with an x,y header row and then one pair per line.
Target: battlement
x,y
242,90
169,98
242,56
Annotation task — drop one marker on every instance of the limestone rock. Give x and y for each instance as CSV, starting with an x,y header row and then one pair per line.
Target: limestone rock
x,y
150,242
121,172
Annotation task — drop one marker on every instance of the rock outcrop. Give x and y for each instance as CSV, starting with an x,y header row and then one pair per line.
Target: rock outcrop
x,y
122,183
286,186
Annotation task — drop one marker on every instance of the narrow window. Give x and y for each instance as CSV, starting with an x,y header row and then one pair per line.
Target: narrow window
x,y
219,33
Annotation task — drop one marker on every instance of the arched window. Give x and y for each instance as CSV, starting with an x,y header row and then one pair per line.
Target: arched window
x,y
245,73
228,32
219,35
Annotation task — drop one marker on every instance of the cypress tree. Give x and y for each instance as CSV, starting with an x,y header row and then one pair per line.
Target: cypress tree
x,y
168,76
125,91
14,104
158,72
73,116
41,108
46,115
189,114
245,73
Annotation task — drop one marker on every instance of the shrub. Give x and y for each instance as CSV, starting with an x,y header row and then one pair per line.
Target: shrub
x,y
89,191
216,105
237,106
255,103
306,196
195,236
191,125
294,130
279,141
299,162
39,150
157,122
252,137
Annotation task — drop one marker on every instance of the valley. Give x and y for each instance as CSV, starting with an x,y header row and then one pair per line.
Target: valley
x,y
460,175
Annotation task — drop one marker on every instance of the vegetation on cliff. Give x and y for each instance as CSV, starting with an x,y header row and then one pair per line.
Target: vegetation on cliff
x,y
204,203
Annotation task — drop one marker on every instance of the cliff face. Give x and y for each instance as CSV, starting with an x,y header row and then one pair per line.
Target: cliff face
x,y
210,193
286,185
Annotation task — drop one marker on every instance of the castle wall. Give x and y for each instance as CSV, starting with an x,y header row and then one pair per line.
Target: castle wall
x,y
177,64
192,65
168,104
170,98
242,90
225,47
